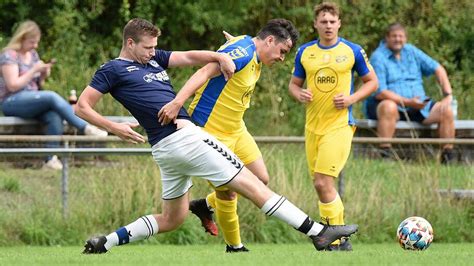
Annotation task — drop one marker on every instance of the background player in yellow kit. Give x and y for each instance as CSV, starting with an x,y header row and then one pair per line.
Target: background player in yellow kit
x,y
327,65
219,107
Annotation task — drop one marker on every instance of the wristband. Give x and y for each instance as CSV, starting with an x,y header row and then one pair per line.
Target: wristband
x,y
446,94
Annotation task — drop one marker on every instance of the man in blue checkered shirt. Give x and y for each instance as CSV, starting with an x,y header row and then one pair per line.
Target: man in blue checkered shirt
x,y
400,68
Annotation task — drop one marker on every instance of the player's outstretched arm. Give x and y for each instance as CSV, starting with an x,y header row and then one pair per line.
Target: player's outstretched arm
x,y
170,111
196,58
85,109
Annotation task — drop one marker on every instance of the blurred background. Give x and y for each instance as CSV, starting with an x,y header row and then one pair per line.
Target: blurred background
x,y
106,193
83,34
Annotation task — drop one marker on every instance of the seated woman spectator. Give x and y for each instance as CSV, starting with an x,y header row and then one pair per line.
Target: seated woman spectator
x,y
21,78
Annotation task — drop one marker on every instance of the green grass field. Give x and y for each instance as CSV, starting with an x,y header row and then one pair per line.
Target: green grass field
x,y
105,194
261,254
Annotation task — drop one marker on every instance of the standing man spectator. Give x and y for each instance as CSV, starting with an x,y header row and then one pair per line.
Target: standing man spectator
x,y
327,65
219,106
400,68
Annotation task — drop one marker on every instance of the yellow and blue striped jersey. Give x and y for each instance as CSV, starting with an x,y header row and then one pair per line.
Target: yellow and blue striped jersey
x,y
220,104
329,71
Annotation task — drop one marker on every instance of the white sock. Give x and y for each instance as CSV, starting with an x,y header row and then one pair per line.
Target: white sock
x,y
279,207
142,228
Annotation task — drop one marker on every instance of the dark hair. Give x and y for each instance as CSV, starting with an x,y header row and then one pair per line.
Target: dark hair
x,y
330,7
282,29
393,27
137,27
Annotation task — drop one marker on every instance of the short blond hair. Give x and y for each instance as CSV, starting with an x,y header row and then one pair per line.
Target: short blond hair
x,y
27,29
330,7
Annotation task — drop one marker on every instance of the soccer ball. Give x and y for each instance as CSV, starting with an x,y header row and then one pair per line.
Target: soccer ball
x,y
415,233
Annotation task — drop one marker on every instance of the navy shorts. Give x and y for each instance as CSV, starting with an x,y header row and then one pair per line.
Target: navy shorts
x,y
413,114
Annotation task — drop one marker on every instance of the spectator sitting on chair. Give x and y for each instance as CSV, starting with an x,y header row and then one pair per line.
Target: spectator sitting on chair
x,y
21,77
400,68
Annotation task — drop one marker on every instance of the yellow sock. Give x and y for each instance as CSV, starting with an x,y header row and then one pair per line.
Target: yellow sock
x,y
211,200
333,212
228,220
341,215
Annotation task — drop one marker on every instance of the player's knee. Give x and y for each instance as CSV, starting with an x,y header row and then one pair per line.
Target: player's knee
x,y
322,185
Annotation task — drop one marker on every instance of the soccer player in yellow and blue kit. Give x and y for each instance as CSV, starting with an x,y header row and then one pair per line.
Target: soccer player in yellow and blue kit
x,y
219,106
327,65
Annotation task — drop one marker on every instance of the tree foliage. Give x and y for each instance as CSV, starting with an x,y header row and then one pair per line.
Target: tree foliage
x,y
82,34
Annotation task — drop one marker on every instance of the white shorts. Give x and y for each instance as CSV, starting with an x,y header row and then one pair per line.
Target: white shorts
x,y
191,152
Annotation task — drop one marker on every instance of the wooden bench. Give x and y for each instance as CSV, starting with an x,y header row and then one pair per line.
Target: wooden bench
x,y
10,125
15,126
368,128
404,129
365,128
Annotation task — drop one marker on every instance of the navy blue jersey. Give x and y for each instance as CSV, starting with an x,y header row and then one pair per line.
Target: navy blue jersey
x,y
142,89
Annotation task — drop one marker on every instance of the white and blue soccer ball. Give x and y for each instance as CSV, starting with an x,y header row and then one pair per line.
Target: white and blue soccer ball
x,y
415,233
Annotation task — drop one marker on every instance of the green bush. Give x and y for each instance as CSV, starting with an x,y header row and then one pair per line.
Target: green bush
x,y
84,34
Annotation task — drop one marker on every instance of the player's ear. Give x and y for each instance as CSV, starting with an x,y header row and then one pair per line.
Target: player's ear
x,y
130,42
269,40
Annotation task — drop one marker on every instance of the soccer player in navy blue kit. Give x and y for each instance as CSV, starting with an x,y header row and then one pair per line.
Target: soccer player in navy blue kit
x,y
138,80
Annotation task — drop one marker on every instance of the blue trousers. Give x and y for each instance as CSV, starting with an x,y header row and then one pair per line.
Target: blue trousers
x,y
46,106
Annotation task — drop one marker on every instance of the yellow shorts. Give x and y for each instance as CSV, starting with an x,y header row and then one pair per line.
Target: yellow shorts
x,y
327,154
241,143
